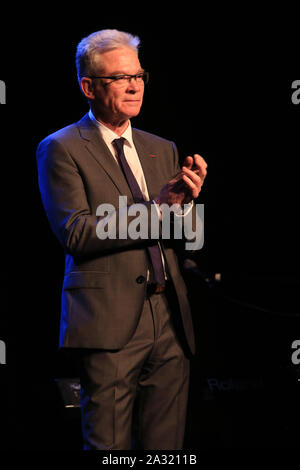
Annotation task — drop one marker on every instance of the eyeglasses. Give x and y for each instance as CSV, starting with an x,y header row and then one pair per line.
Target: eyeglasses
x,y
123,80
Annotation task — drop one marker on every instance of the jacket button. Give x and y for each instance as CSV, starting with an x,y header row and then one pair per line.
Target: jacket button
x,y
140,279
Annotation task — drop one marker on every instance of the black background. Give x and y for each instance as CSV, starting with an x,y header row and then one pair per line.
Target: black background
x,y
219,86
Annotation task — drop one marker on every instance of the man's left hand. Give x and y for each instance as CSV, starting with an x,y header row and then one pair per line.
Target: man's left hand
x,y
194,171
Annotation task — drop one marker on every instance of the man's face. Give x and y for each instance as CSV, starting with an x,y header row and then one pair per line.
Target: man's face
x,y
114,102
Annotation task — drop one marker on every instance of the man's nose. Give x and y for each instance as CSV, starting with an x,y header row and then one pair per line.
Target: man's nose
x,y
133,85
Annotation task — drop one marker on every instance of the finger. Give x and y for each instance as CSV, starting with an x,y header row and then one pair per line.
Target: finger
x,y
193,188
199,160
188,162
192,175
176,177
200,166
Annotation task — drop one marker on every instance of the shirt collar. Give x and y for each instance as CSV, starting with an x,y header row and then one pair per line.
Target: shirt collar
x,y
108,135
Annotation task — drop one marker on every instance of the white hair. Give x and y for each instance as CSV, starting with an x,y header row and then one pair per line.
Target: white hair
x,y
88,54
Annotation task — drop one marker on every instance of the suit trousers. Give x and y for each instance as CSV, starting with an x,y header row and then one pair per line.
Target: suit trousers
x,y
142,387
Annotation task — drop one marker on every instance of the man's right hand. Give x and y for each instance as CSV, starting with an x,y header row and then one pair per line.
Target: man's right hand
x,y
173,192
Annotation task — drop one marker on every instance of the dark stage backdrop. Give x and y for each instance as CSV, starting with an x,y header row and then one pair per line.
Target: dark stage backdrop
x,y
224,91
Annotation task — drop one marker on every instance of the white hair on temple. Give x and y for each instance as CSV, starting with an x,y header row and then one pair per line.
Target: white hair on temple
x,y
88,54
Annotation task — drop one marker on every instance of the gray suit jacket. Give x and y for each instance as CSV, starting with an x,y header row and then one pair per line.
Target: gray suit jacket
x,y
104,283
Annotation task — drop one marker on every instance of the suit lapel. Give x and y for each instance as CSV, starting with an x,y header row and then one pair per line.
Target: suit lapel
x,y
99,150
149,164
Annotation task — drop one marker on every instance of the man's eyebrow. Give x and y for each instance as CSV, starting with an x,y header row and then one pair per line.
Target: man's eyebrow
x,y
120,72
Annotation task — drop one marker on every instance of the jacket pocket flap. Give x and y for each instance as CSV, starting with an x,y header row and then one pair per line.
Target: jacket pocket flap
x,y
91,279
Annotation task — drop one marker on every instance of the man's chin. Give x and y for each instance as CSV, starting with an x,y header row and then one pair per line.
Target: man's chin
x,y
132,111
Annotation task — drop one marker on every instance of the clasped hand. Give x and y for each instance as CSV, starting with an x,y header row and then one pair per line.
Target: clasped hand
x,y
186,185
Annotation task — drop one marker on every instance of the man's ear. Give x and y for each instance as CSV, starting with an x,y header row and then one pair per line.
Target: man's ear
x,y
87,88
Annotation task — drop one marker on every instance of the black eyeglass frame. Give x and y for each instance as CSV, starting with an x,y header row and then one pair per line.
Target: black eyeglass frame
x,y
114,78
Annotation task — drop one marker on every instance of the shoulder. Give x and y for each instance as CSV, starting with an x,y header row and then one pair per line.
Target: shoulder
x,y
58,146
154,145
68,134
151,138
61,136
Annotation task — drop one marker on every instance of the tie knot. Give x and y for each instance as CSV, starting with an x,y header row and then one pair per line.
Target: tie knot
x,y
119,143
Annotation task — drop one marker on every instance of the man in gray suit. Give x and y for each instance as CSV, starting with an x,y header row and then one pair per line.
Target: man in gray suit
x,y
124,302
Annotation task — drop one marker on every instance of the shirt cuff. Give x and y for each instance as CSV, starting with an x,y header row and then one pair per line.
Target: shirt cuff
x,y
182,212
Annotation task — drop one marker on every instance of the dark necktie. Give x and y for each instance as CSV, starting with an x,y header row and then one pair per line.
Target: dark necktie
x,y
154,251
